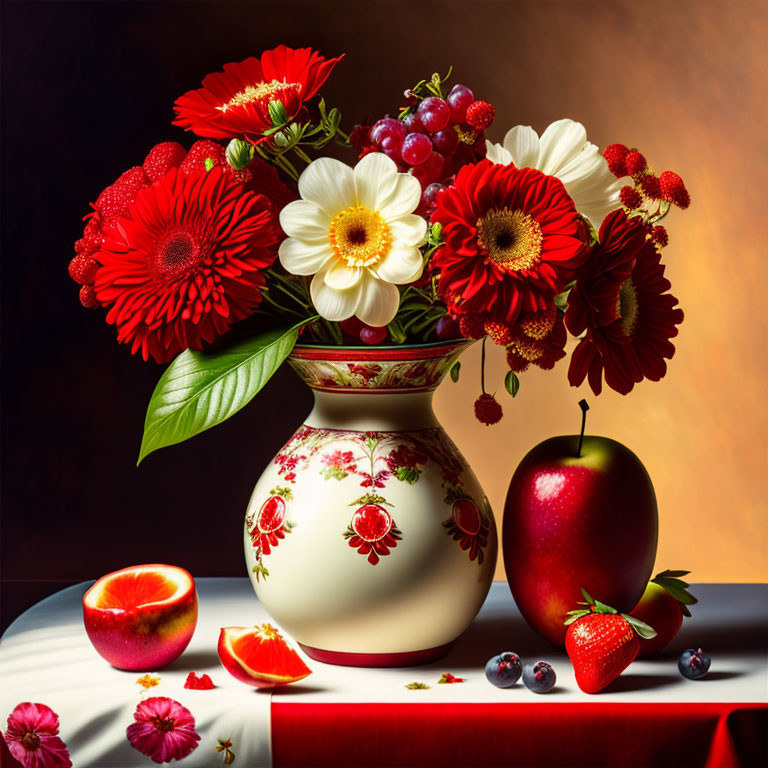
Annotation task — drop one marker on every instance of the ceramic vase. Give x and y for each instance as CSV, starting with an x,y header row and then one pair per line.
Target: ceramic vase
x,y
368,538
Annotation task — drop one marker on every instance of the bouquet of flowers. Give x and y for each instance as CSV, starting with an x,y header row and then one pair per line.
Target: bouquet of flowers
x,y
220,257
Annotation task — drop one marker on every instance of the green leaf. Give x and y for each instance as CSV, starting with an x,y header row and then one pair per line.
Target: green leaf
x,y
680,593
576,616
673,574
455,368
197,391
642,629
686,612
589,600
512,383
603,608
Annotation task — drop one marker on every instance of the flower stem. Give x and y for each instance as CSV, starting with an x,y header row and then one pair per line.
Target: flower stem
x,y
302,154
482,366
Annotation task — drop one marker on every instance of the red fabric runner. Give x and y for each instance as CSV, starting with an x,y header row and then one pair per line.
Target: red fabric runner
x,y
530,735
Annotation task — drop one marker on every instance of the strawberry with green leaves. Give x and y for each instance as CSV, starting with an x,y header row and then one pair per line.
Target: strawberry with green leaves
x,y
601,642
663,605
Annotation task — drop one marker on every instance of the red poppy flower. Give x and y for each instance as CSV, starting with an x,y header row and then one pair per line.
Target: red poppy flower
x,y
513,240
235,103
621,301
184,262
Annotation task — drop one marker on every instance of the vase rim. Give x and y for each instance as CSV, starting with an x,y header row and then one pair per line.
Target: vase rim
x,y
385,348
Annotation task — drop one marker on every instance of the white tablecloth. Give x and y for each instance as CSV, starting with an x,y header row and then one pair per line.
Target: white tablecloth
x,y
45,657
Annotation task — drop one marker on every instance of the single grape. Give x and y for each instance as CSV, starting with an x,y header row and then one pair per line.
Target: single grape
x,y
446,141
392,146
387,127
413,124
504,670
447,328
539,677
416,148
429,198
373,334
352,326
430,170
459,99
434,113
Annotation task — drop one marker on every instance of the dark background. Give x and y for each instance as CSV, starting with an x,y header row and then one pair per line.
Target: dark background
x,y
87,90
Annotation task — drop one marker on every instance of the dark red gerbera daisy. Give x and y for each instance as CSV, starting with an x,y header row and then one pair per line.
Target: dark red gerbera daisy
x,y
184,262
235,103
622,302
513,239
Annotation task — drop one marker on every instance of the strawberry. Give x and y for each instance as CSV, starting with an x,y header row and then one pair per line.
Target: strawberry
x,y
198,153
601,643
163,157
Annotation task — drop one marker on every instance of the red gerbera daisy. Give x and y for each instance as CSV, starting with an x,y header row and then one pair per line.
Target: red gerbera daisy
x,y
621,301
184,262
33,737
235,103
513,239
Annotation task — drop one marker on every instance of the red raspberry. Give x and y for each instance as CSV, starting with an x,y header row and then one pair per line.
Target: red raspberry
x,y
499,333
615,156
81,246
673,189
163,157
113,201
88,297
480,114
487,409
650,186
635,163
242,175
92,233
630,198
659,236
471,327
194,162
195,683
82,269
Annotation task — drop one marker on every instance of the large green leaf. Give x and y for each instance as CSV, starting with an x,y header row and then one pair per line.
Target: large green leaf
x,y
198,391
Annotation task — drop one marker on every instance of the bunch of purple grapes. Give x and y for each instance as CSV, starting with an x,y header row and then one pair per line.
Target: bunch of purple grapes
x,y
433,139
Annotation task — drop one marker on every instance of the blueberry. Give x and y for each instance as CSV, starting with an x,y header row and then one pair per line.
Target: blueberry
x,y
539,677
504,670
693,664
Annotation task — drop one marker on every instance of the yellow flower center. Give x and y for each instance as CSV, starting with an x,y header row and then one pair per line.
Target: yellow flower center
x,y
272,90
626,307
359,236
512,239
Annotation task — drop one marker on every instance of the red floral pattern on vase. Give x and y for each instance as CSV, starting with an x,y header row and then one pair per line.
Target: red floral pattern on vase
x,y
372,531
469,527
164,730
268,526
33,738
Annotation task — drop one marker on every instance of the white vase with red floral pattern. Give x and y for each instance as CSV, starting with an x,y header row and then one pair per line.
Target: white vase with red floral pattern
x,y
369,538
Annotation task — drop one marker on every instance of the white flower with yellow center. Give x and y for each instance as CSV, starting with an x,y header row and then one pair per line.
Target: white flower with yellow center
x,y
563,151
356,232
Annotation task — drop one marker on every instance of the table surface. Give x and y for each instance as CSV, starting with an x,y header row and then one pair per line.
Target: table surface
x,y
45,656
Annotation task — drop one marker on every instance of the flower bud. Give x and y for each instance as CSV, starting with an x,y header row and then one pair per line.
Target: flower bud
x,y
277,113
239,154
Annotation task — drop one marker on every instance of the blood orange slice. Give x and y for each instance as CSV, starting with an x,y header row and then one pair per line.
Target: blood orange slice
x,y
141,617
260,656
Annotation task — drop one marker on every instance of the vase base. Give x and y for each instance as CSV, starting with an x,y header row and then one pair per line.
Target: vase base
x,y
406,659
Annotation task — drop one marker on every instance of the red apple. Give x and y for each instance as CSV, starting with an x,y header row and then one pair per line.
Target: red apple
x,y
662,606
142,617
576,519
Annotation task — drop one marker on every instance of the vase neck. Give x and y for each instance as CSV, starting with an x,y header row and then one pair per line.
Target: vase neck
x,y
368,412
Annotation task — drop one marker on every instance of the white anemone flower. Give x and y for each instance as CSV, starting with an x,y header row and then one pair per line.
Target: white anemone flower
x,y
356,232
563,151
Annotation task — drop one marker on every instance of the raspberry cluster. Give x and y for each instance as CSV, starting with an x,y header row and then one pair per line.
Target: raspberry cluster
x,y
651,195
433,138
115,200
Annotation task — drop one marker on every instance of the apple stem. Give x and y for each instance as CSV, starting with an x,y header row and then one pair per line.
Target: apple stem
x,y
482,366
584,408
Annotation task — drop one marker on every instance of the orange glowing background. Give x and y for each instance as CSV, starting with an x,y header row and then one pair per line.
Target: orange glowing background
x,y
685,83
